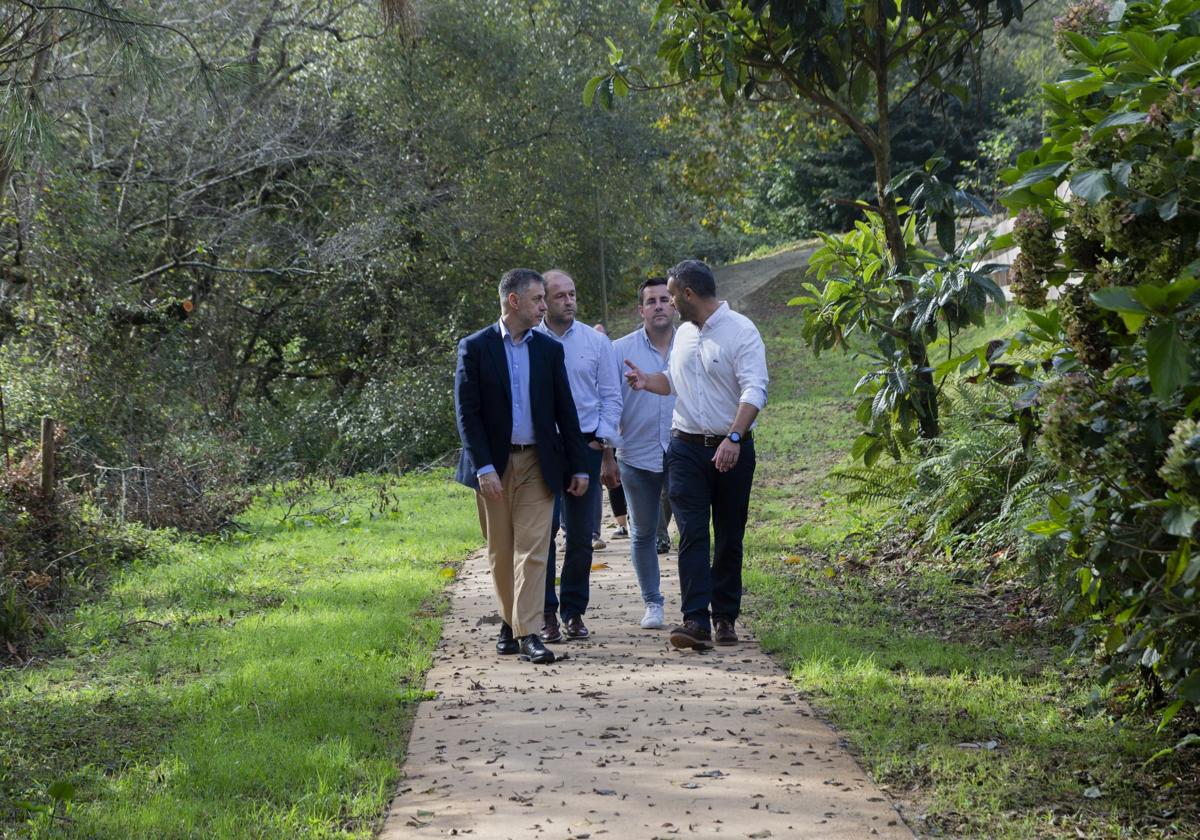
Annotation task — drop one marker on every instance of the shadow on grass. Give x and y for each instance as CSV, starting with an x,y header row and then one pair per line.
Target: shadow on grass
x,y
293,717
991,740
87,737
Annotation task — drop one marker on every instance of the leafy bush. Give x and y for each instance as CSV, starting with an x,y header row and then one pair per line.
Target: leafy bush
x,y
860,290
1120,245
971,492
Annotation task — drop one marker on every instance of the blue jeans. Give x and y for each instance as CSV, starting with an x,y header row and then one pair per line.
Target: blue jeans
x,y
643,490
577,512
698,491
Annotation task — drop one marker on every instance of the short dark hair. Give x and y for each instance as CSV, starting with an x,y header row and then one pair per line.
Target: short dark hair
x,y
646,284
694,275
517,280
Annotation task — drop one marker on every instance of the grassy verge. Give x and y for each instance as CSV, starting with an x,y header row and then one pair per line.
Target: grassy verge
x,y
971,714
257,686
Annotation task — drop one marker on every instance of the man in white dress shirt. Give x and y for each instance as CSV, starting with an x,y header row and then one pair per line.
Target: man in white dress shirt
x,y
718,374
595,376
645,436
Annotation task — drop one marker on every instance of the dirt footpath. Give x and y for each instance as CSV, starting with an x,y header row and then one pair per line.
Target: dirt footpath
x,y
625,738
738,281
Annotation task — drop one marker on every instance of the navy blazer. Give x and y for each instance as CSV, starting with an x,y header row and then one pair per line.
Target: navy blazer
x,y
483,408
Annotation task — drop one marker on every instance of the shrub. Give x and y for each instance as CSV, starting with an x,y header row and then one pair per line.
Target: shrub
x,y
1119,417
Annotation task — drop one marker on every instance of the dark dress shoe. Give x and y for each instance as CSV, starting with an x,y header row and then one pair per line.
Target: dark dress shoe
x,y
532,650
575,628
723,632
506,645
692,635
550,632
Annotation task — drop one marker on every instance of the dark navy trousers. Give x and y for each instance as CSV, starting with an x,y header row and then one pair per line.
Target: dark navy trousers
x,y
699,494
577,513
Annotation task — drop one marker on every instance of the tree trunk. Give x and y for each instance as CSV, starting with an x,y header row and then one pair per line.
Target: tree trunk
x,y
924,396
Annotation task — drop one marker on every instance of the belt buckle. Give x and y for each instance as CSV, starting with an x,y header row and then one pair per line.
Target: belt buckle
x,y
712,441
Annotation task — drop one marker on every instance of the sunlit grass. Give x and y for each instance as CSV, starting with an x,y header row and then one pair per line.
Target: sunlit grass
x,y
261,685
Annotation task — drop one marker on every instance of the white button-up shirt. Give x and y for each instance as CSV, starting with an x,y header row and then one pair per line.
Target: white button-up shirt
x,y
595,376
645,417
714,368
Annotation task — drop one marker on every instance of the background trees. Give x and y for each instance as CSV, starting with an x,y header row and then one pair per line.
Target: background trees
x,y
258,228
865,66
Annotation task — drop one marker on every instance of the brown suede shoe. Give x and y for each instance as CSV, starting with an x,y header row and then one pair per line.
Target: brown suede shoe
x,y
550,632
691,635
576,628
723,632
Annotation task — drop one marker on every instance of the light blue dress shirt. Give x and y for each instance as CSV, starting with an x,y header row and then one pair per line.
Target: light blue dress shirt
x,y
645,417
517,354
595,376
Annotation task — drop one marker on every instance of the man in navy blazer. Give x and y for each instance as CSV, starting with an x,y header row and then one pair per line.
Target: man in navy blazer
x,y
521,444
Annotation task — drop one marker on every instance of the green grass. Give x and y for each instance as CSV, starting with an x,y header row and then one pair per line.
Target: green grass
x,y
969,712
261,685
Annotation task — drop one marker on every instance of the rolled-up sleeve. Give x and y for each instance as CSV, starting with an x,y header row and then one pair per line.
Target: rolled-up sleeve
x,y
751,369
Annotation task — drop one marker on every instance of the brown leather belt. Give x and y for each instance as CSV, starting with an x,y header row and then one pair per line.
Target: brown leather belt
x,y
710,441
521,447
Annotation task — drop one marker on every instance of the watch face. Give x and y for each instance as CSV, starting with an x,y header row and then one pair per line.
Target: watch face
x,y
735,437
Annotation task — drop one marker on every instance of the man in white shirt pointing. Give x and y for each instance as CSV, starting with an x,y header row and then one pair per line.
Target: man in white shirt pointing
x,y
718,374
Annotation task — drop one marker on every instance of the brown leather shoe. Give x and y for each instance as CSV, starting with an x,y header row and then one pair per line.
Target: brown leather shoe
x,y
691,635
550,632
723,632
576,628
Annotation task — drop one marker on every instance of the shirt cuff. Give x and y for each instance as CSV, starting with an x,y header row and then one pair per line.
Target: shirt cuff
x,y
580,475
754,396
484,470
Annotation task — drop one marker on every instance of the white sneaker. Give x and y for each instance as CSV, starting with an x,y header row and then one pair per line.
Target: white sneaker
x,y
598,544
653,619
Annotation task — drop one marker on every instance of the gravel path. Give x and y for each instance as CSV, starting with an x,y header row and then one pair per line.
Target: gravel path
x,y
624,738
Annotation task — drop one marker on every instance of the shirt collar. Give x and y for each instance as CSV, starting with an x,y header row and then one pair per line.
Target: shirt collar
x,y
719,314
504,333
548,331
649,343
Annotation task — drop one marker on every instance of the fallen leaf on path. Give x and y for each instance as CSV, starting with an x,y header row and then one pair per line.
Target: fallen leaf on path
x,y
598,566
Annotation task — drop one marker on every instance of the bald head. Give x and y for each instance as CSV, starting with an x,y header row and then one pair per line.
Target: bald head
x,y
560,300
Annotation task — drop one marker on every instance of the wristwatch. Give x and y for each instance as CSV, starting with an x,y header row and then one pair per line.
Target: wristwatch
x,y
604,442
735,437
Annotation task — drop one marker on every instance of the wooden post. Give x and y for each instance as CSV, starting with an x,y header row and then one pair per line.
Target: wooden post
x,y
48,459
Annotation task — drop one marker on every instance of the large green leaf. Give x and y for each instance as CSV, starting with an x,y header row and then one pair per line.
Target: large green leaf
x,y
1167,359
1179,521
1040,173
1092,185
1122,118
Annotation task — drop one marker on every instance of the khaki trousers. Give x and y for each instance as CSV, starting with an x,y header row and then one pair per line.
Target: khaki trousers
x,y
517,528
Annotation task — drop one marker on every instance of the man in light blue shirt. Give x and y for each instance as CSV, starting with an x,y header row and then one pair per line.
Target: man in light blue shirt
x,y
595,376
645,436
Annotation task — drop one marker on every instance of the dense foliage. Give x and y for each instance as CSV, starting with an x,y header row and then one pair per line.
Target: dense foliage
x,y
254,236
1109,220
